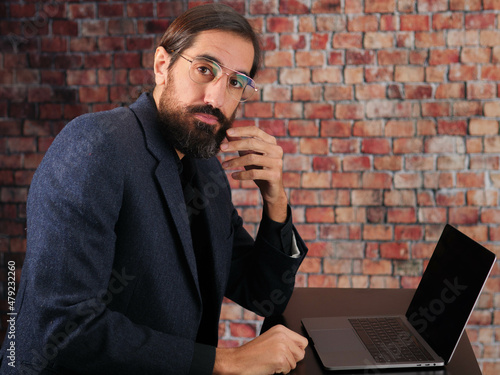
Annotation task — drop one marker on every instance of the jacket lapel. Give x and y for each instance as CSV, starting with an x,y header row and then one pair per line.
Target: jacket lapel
x,y
167,176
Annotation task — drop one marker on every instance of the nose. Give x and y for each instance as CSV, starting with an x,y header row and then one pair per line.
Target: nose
x,y
216,91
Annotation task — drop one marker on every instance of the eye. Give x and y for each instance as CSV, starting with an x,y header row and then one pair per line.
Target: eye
x,y
204,70
237,82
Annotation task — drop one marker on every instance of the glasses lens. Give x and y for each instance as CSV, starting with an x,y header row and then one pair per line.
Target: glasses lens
x,y
203,70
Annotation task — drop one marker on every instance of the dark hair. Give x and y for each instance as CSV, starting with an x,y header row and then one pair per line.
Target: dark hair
x,y
181,34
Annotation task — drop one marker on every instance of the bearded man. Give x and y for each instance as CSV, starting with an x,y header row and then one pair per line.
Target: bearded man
x,y
133,240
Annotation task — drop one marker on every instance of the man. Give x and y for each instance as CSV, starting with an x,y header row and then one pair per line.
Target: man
x,y
132,237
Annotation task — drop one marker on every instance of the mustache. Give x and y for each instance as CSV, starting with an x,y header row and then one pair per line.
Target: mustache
x,y
208,110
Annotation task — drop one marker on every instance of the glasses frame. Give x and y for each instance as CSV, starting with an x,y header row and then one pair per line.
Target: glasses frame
x,y
250,80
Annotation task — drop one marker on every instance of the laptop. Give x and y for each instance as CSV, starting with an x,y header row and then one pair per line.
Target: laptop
x,y
429,332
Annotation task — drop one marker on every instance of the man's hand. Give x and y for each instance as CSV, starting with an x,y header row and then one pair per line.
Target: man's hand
x,y
276,351
261,160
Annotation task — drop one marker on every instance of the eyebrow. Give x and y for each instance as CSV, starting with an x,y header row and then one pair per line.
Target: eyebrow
x,y
213,58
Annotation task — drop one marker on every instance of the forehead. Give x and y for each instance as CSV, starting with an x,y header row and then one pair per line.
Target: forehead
x,y
226,48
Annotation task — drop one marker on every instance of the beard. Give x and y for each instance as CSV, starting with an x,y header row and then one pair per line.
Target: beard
x,y
187,134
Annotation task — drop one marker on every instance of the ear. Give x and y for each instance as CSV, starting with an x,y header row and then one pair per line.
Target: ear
x,y
161,63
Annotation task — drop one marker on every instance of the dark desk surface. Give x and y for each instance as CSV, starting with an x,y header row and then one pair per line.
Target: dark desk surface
x,y
317,302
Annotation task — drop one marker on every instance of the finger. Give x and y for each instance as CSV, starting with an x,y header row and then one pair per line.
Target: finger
x,y
256,160
253,145
251,131
297,338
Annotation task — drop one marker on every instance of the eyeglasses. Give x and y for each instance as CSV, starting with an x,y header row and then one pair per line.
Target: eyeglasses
x,y
203,70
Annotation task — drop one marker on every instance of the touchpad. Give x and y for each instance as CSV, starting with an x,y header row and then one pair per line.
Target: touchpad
x,y
336,340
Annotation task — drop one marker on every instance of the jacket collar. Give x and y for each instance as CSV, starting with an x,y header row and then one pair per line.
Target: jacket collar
x,y
167,174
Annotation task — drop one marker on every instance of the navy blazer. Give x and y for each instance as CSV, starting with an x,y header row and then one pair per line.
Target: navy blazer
x,y
109,284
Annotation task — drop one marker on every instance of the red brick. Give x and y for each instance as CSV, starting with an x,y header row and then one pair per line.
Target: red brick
x,y
475,55
463,73
377,180
450,199
317,146
413,91
445,21
288,110
362,23
338,92
464,215
481,90
378,40
316,180
347,40
480,21
388,22
394,250
356,163
388,108
296,163
280,24
414,23
140,10
318,111
432,215
68,28
492,109
446,57
450,127
370,91
335,129
436,109
450,90
81,77
409,74
326,6
293,7
320,215
379,74
490,72
430,39
81,10
408,181
110,10
330,23
376,146
391,163
93,94
467,5
349,111
353,74
292,41
416,162
346,180
121,27
258,109
326,163
380,6
276,94
360,57
434,6
278,59
242,330
367,128
489,38
327,75
301,93
470,180
319,41
337,58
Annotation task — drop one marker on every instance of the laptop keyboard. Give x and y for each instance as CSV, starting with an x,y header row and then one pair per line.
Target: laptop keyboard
x,y
389,340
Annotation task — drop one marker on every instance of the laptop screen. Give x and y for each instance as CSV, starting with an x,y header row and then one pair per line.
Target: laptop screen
x,y
449,289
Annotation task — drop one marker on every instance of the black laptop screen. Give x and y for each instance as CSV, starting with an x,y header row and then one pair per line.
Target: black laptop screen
x,y
460,267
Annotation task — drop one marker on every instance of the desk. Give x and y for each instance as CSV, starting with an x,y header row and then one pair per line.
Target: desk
x,y
317,302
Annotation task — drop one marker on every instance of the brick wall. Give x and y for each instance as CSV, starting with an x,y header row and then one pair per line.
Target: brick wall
x,y
387,110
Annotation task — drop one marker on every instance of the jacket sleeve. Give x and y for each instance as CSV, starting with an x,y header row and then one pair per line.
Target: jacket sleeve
x,y
73,206
262,275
